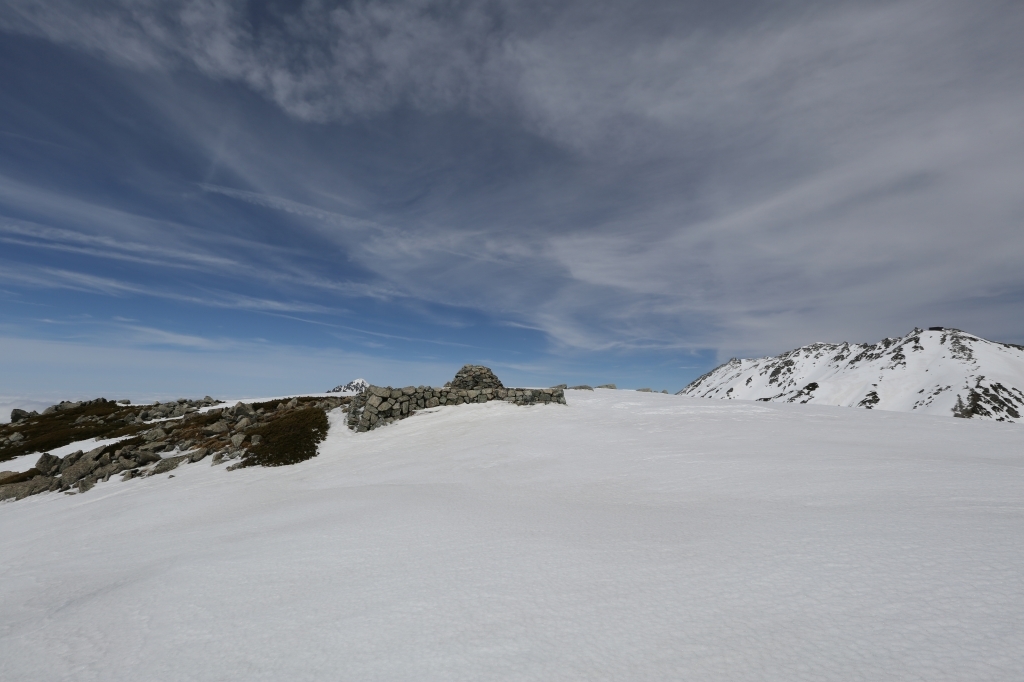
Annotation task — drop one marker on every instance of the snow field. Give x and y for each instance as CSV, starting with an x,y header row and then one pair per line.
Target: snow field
x,y
624,536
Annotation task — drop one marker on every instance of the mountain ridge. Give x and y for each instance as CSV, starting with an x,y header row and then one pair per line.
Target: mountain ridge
x,y
935,371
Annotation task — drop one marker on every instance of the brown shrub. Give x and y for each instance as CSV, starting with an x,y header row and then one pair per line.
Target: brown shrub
x,y
289,439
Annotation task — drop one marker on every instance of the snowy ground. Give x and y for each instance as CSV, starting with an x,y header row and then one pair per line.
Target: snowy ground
x,y
625,536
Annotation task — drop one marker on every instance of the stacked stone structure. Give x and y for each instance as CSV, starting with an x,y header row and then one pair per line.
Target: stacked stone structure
x,y
475,377
380,405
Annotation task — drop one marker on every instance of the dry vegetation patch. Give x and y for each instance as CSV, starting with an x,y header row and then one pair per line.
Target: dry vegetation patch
x,y
289,439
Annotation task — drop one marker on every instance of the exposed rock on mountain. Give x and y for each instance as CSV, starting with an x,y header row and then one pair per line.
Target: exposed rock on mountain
x,y
935,371
259,434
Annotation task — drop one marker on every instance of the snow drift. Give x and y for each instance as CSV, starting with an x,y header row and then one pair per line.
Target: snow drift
x,y
943,372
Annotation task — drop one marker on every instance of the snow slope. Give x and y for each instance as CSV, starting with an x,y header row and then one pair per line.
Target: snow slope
x,y
946,372
625,536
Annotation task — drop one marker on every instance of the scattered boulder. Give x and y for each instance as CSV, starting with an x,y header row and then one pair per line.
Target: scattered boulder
x,y
216,428
611,386
144,457
13,477
198,455
48,464
644,390
169,464
84,465
155,434
16,437
21,490
581,387
21,415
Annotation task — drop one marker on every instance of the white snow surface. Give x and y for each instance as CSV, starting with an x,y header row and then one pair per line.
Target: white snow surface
x,y
625,536
948,372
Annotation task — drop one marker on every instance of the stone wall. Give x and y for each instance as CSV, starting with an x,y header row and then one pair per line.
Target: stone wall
x,y
380,405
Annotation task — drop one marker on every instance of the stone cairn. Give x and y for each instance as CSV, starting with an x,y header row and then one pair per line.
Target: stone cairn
x,y
380,405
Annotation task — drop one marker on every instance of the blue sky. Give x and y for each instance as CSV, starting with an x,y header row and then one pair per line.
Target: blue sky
x,y
230,197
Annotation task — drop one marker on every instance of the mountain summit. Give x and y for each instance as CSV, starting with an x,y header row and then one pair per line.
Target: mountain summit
x,y
934,371
354,386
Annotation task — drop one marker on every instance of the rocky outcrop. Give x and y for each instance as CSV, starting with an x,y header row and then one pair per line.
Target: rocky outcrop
x,y
19,415
381,405
227,433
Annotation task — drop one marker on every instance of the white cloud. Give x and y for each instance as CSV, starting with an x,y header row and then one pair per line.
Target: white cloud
x,y
819,172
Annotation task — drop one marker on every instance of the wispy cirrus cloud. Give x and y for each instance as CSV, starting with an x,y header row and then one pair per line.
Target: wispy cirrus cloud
x,y
659,177
53,278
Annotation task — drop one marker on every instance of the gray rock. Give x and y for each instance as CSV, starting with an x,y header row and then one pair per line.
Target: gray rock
x,y
19,491
16,437
612,386
242,423
216,428
20,415
155,434
48,464
71,459
144,457
292,404
12,477
581,387
198,455
84,466
169,464
237,439
255,440
644,390
563,386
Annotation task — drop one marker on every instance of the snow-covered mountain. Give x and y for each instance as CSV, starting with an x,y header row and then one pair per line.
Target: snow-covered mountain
x,y
936,371
354,386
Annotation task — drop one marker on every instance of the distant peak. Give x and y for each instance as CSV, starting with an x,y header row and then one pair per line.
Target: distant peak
x,y
354,386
